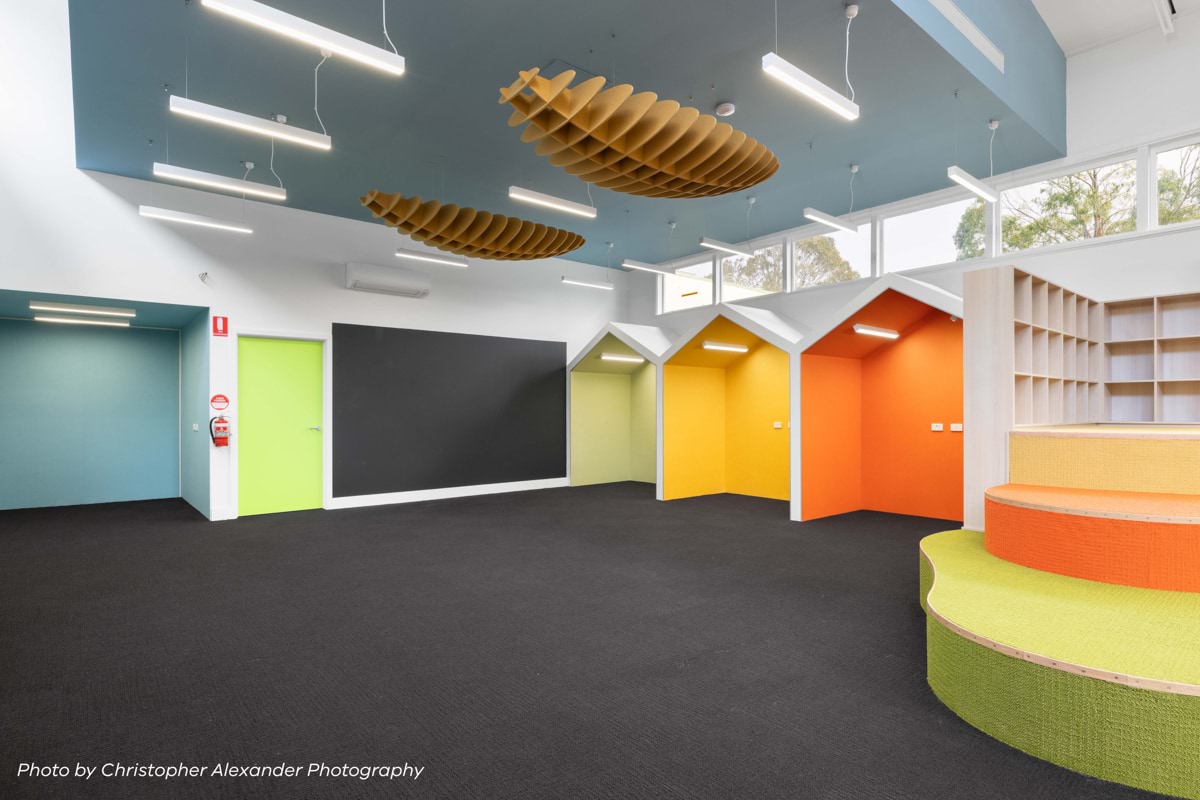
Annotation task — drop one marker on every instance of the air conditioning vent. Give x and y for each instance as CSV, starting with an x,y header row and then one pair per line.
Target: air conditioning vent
x,y
387,280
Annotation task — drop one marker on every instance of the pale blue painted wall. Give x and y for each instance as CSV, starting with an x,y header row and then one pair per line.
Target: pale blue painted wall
x,y
195,447
1034,81
90,415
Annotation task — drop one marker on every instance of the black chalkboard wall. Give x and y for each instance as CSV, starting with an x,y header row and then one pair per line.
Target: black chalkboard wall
x,y
427,410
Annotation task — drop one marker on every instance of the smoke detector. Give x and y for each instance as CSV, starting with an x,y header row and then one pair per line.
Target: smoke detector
x,y
725,109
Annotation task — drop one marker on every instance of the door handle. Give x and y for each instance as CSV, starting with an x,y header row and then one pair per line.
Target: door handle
x,y
315,428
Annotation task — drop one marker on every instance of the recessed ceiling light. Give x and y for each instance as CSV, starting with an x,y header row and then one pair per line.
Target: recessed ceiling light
x,y
725,247
728,348
621,358
221,182
966,179
74,308
783,70
248,123
550,201
432,258
871,330
725,109
318,36
171,215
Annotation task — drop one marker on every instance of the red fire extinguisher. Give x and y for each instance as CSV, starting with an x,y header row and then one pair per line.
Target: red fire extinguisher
x,y
218,428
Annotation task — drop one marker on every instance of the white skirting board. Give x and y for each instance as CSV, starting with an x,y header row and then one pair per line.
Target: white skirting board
x,y
359,501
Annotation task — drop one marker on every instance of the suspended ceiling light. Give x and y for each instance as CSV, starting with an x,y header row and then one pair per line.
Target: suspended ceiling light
x,y
589,284
550,201
629,263
171,215
73,308
311,33
725,247
220,182
108,323
249,124
622,358
728,348
966,179
871,330
787,72
827,219
432,258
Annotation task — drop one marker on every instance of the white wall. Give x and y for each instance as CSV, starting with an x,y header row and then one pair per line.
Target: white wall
x,y
67,231
1134,89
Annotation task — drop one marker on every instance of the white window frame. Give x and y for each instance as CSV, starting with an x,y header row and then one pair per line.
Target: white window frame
x,y
1146,154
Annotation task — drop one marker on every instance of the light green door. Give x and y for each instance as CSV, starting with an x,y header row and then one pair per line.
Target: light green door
x,y
278,425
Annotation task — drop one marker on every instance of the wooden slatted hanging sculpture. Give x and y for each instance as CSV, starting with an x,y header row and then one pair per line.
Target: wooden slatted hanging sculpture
x,y
634,143
467,232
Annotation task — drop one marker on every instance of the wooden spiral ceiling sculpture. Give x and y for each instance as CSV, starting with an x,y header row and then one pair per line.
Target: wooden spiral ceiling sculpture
x,y
467,232
634,143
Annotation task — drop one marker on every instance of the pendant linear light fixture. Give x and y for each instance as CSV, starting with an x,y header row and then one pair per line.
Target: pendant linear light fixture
x,y
550,201
969,181
589,284
74,308
318,36
727,348
248,123
219,182
629,263
789,74
826,219
871,330
624,359
431,258
830,220
725,247
171,215
108,323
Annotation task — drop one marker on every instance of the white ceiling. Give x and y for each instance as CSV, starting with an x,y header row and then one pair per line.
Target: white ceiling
x,y
1083,24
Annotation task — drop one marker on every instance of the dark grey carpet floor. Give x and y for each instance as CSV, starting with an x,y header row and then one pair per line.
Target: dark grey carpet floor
x,y
571,643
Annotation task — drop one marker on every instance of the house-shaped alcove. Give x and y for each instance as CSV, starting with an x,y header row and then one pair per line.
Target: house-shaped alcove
x,y
870,399
614,405
726,407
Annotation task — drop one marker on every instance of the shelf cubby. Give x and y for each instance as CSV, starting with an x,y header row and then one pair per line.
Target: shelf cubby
x,y
1129,402
1023,348
1129,320
1041,351
1179,316
1023,400
1041,401
1179,402
1040,292
1055,355
1081,317
1082,372
1054,307
1023,298
1130,361
1179,359
1068,313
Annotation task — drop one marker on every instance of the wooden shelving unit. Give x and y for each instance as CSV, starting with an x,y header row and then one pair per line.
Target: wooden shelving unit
x,y
1077,360
1057,357
1042,354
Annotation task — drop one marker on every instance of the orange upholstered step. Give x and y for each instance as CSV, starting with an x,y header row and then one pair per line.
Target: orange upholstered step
x,y
1143,539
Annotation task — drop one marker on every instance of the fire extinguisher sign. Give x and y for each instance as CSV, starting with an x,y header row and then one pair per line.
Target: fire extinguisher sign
x,y
219,402
220,326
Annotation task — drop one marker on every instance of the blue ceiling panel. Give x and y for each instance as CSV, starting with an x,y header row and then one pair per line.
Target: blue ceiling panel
x,y
439,131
